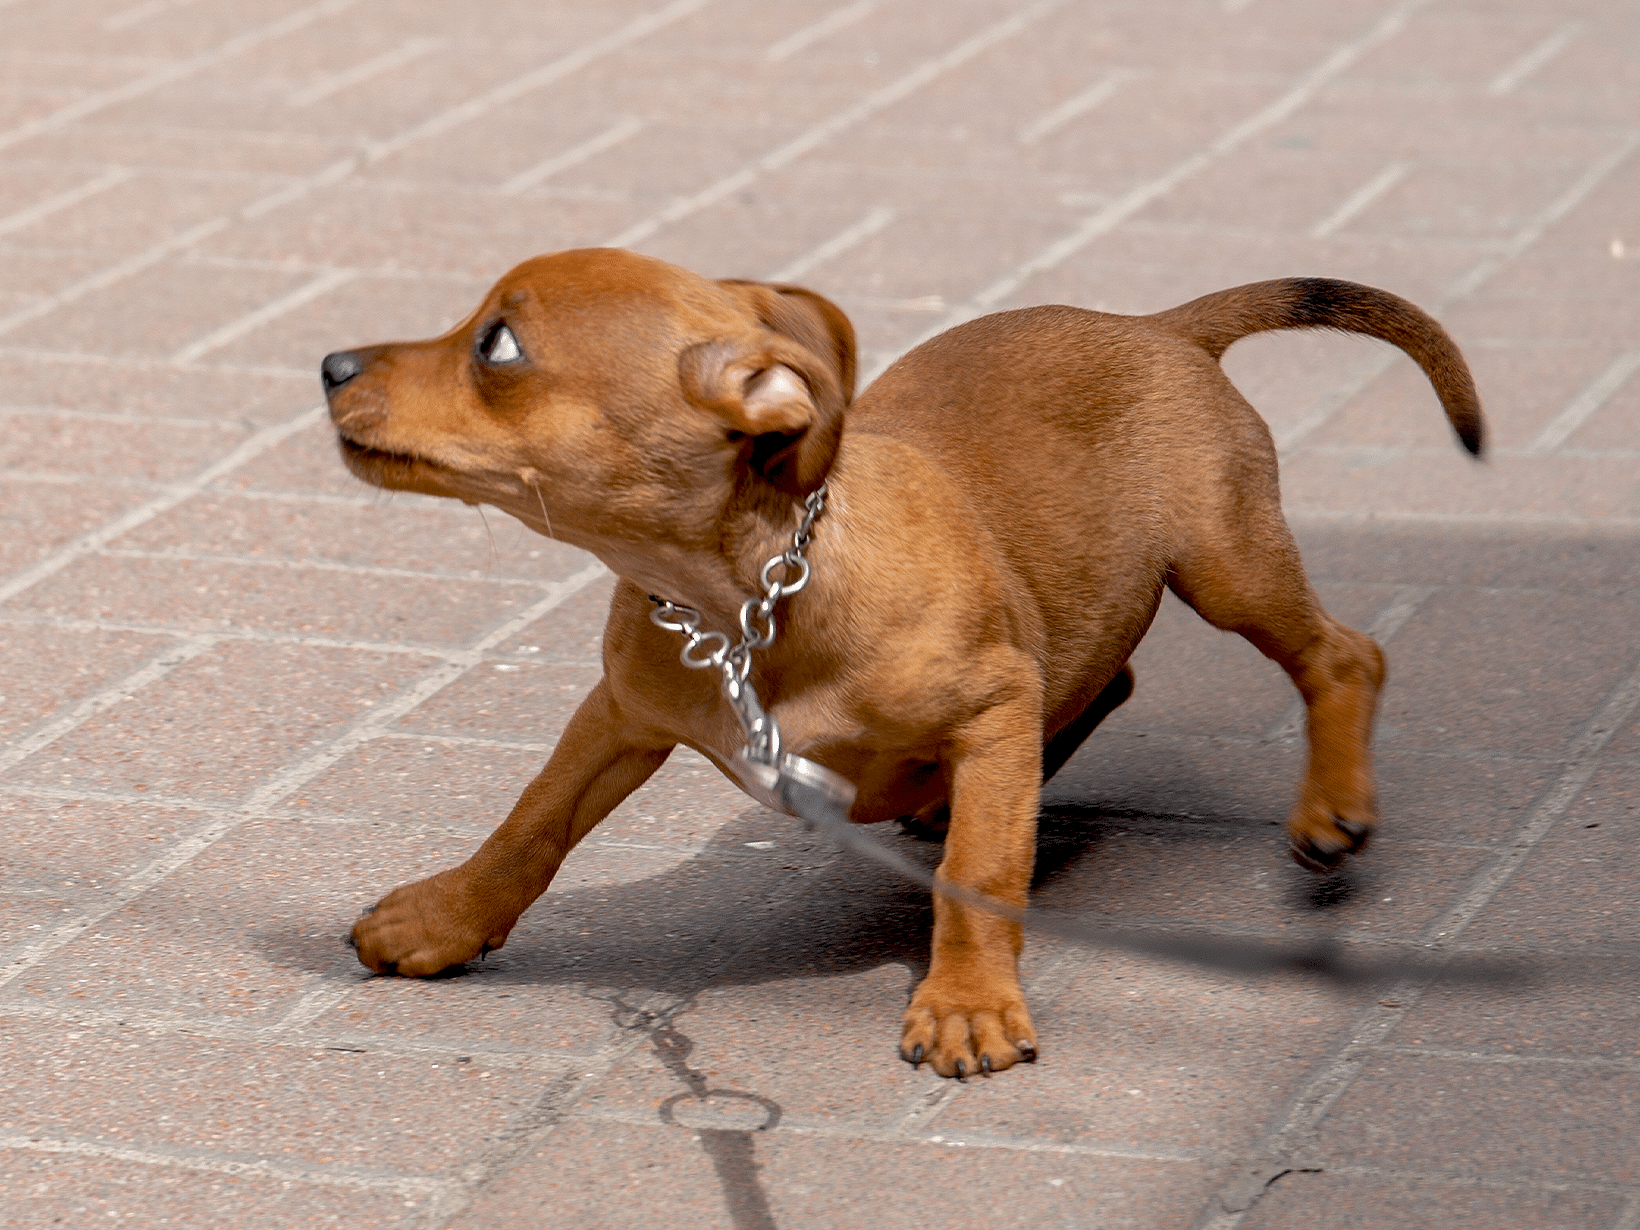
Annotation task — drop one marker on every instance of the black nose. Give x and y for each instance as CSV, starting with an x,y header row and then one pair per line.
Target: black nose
x,y
337,369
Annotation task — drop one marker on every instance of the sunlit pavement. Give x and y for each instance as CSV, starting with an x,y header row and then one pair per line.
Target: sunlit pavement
x,y
243,695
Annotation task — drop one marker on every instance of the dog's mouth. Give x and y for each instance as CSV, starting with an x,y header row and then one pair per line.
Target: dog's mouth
x,y
400,471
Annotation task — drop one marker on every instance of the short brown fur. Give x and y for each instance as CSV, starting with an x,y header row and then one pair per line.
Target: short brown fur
x,y
1006,505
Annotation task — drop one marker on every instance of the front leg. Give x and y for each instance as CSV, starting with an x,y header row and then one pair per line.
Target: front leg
x,y
969,1014
468,910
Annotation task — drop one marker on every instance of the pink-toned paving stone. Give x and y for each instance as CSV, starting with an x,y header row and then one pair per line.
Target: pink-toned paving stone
x,y
242,695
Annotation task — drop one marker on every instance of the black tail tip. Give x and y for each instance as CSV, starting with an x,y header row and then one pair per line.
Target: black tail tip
x,y
1474,439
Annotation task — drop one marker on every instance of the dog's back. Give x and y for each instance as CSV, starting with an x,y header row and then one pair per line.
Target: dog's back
x,y
1108,454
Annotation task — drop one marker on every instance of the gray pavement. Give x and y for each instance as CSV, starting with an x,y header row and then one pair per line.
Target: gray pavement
x,y
241,696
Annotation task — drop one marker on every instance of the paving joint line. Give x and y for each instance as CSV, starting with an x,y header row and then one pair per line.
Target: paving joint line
x,y
1506,1058
82,358
172,72
512,90
350,165
1077,105
416,736
1521,1182
247,450
609,138
288,780
73,414
1469,754
404,53
1292,438
280,305
242,635
1360,199
1588,399
296,264
60,201
557,1104
314,565
1401,452
1211,230
156,668
855,233
974,1140
68,794
816,135
1515,520
297,1037
806,36
1519,70
1111,216
1288,1142
1583,763
407,1185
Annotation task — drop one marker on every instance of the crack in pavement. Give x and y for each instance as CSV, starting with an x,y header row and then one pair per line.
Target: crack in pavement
x,y
731,1150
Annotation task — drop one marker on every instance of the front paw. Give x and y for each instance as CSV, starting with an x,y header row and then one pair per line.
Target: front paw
x,y
982,1026
425,927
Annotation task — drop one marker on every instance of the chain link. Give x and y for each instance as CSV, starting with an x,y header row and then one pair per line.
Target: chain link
x,y
757,631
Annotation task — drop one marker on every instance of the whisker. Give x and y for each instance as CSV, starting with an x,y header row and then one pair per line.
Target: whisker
x,y
495,560
543,502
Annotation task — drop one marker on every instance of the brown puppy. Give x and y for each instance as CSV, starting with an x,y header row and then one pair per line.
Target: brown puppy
x,y
1006,505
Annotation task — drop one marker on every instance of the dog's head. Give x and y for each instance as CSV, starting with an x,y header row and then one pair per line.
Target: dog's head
x,y
612,395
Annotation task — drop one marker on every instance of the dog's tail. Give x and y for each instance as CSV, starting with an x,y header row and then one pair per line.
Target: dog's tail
x,y
1214,321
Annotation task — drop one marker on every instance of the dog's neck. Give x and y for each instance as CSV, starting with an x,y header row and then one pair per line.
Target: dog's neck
x,y
716,574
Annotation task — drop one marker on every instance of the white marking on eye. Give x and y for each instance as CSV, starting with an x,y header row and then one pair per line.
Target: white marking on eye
x,y
503,347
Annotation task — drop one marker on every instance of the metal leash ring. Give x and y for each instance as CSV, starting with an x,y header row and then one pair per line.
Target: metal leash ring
x,y
714,657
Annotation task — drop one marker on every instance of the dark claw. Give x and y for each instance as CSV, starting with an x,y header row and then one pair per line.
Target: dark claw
x,y
1312,858
367,911
916,1055
1357,830
1026,1049
962,1070
351,942
985,1064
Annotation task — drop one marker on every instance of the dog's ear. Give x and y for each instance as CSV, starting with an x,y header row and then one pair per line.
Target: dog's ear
x,y
782,388
810,320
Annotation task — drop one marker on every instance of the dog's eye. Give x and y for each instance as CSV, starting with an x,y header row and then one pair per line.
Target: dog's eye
x,y
500,346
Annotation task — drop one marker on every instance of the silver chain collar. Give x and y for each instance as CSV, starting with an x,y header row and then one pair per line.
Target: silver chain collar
x,y
757,631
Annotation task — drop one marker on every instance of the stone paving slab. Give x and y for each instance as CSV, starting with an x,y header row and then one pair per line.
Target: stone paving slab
x,y
241,695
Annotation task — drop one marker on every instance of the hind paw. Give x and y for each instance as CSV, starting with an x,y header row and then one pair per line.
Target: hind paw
x,y
1320,844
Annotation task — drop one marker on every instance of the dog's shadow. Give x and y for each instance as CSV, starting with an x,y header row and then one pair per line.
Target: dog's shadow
x,y
733,914
737,913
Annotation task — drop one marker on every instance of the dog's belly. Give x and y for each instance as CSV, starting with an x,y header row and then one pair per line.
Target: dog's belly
x,y
890,787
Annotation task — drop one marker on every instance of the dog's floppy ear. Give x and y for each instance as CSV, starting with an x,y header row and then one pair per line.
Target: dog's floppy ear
x,y
810,320
784,386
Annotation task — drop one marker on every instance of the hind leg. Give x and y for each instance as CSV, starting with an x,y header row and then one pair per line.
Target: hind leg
x,y
1245,576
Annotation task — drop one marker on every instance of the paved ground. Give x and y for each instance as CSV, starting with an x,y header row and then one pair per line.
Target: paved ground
x,y
242,695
